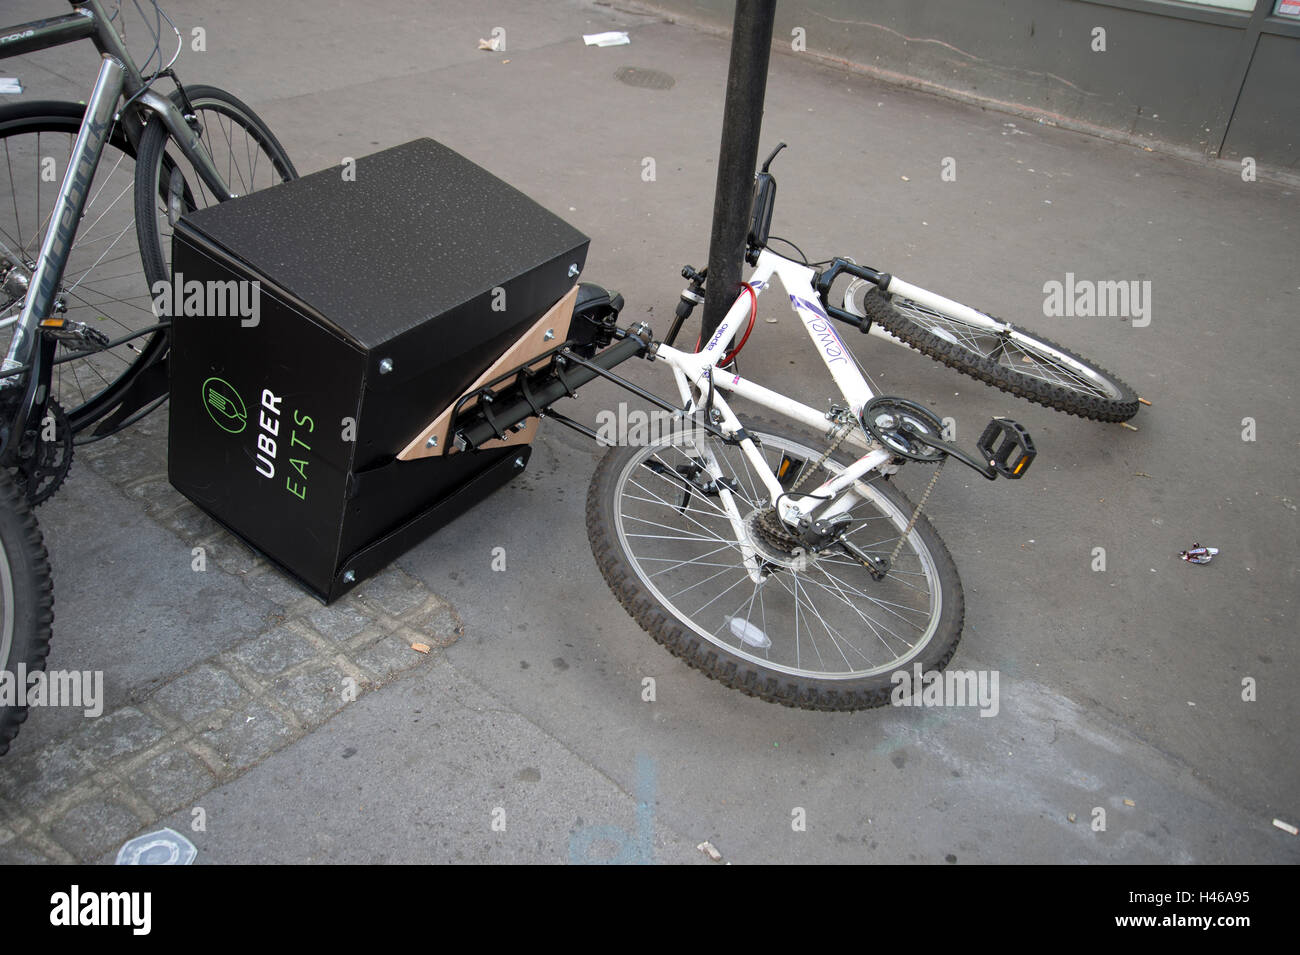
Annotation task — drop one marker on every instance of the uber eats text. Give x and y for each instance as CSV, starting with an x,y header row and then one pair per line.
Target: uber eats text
x,y
272,437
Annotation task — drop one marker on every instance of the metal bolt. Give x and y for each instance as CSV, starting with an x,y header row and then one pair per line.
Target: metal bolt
x,y
573,270
432,442
519,462
349,576
550,333
385,366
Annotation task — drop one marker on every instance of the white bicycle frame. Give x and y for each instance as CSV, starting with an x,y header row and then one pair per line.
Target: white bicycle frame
x,y
701,385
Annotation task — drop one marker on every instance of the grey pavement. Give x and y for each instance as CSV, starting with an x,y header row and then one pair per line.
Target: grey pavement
x,y
521,735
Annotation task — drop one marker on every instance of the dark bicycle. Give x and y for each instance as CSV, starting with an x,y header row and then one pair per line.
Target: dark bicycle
x,y
93,192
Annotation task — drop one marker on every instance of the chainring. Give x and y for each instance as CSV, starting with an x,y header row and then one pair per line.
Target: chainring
x,y
884,416
45,455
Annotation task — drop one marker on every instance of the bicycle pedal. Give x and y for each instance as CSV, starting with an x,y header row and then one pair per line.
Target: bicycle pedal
x,y
76,335
1007,447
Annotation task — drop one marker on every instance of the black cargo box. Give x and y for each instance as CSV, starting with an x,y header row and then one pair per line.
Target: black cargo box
x,y
383,291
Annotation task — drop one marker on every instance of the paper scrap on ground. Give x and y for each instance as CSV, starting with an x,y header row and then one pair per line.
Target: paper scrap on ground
x,y
10,84
708,849
612,38
495,45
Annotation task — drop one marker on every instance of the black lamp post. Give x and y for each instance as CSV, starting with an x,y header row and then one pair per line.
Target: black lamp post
x,y
742,121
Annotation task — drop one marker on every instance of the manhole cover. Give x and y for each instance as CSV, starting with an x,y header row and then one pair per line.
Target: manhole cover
x,y
645,79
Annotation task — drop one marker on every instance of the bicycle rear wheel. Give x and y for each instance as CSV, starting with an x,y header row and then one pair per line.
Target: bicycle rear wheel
x,y
816,632
1020,362
104,285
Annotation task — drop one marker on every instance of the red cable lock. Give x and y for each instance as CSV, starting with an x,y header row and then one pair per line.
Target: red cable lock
x,y
730,356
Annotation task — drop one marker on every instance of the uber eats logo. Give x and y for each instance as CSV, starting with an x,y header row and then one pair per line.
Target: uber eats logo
x,y
226,407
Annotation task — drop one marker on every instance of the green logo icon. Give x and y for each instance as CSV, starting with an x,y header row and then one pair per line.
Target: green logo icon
x,y
224,405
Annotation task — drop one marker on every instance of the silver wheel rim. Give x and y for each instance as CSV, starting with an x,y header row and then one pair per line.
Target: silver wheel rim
x,y
829,621
7,621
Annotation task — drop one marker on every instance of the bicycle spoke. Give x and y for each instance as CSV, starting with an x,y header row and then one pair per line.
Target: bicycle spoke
x,y
828,618
861,616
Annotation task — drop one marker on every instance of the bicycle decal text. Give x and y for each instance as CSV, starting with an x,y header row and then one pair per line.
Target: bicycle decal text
x,y
828,340
12,37
717,335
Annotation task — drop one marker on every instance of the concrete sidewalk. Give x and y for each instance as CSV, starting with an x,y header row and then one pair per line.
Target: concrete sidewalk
x,y
522,735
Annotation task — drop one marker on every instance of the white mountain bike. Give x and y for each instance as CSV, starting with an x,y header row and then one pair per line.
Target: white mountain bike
x,y
791,567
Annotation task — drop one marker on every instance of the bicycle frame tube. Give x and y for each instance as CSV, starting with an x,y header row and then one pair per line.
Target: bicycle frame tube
x,y
87,21
66,214
108,41
942,305
797,280
697,370
42,34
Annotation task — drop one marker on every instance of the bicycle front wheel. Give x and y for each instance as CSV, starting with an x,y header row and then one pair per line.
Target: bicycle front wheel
x,y
816,631
243,149
1020,362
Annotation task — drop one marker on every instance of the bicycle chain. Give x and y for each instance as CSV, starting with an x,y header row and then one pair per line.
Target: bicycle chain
x,y
916,514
